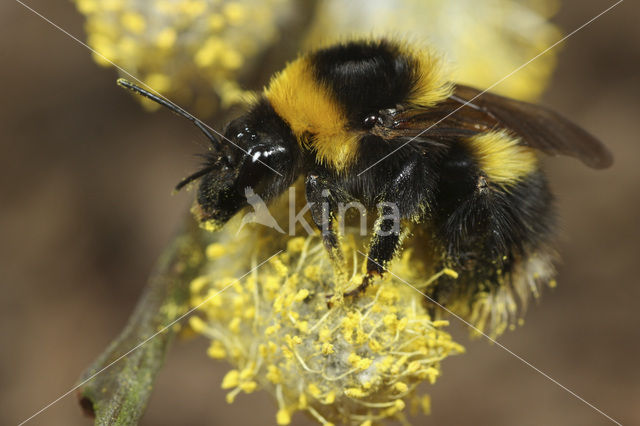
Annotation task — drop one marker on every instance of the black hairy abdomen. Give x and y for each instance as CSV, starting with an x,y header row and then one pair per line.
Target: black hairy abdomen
x,y
479,222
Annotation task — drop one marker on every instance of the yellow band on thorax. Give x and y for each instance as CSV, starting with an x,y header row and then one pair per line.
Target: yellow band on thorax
x,y
311,111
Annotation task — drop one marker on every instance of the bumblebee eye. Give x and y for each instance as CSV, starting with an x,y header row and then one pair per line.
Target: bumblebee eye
x,y
370,121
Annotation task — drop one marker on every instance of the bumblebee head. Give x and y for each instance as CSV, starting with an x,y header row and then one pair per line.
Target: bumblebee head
x,y
258,155
332,96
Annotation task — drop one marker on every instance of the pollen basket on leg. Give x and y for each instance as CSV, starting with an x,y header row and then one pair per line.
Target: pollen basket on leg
x,y
313,115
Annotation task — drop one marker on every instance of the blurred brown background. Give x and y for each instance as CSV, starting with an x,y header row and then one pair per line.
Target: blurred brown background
x,y
86,207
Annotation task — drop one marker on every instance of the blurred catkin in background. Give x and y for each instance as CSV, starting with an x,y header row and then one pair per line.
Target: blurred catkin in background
x,y
209,54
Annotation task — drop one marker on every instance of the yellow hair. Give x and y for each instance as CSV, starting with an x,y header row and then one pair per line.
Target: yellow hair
x,y
431,85
309,108
502,157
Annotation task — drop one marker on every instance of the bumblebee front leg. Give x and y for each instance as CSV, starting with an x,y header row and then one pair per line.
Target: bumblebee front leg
x,y
323,198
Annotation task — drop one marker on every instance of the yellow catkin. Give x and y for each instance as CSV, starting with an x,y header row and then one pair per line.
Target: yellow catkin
x,y
279,332
200,47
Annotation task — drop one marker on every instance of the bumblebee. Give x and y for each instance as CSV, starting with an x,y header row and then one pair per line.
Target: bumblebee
x,y
377,121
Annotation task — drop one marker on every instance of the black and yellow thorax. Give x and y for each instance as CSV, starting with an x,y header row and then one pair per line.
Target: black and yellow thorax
x,y
325,96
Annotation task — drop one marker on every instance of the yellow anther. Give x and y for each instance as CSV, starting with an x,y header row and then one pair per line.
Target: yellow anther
x,y
231,379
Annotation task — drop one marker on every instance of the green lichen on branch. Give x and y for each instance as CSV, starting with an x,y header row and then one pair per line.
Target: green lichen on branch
x,y
116,387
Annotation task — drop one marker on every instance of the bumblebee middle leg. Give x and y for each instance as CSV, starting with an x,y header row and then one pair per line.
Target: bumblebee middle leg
x,y
383,246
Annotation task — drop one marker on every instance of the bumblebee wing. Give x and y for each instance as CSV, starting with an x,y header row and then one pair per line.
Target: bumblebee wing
x,y
538,127
466,113
449,119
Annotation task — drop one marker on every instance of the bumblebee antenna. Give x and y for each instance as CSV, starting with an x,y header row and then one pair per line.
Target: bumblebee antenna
x,y
171,106
193,177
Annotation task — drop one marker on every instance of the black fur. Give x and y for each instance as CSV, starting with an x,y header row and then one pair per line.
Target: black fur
x,y
483,230
365,77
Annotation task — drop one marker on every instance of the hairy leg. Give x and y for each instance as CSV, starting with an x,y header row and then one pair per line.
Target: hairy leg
x,y
323,198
